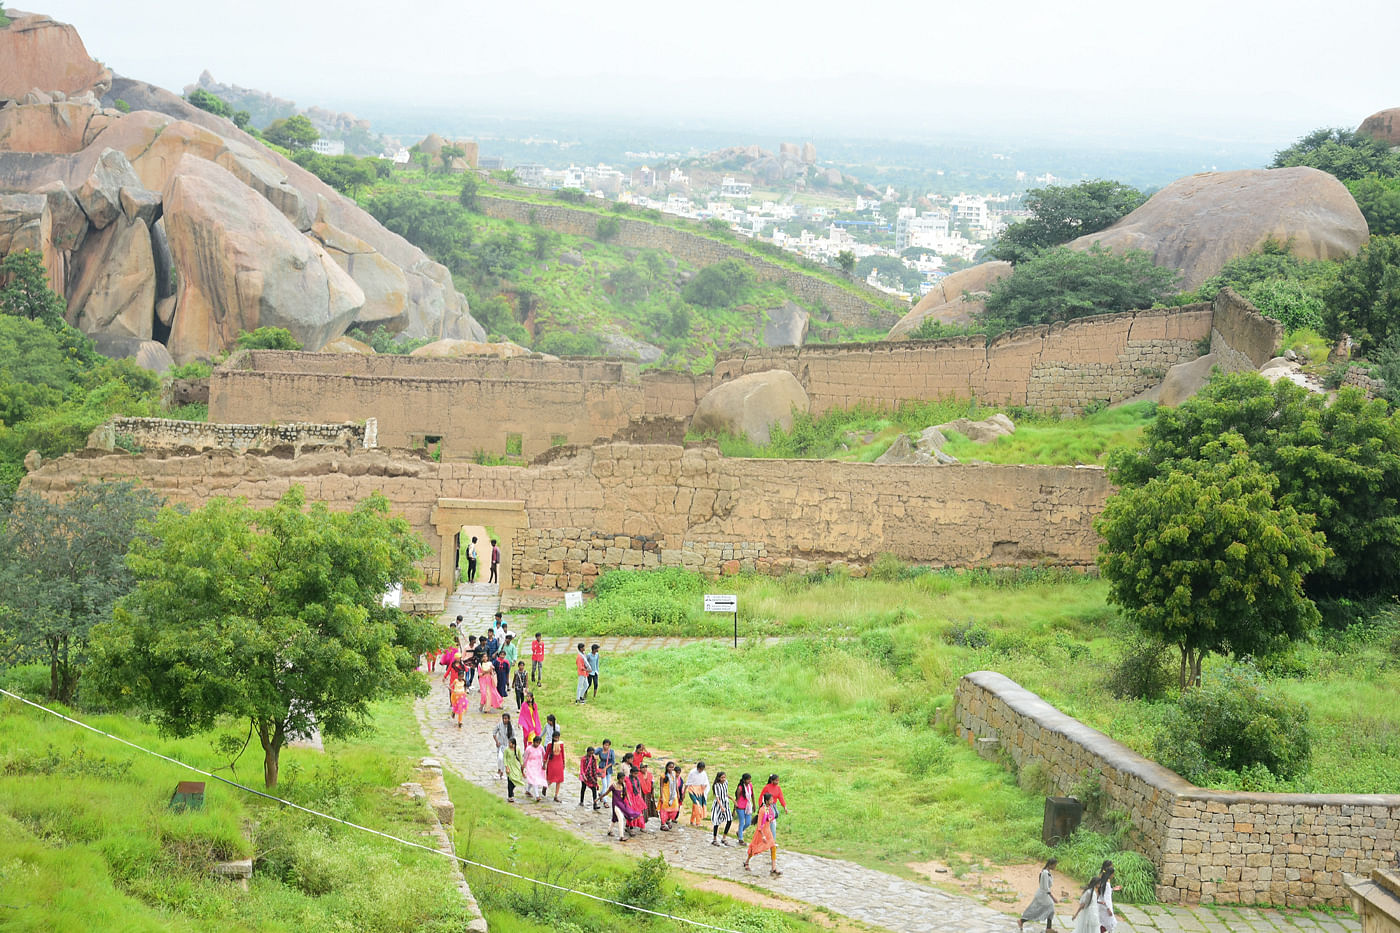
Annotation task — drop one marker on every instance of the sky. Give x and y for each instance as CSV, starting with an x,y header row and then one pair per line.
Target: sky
x,y
1257,72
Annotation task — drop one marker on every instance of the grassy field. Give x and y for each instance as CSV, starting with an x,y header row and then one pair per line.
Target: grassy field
x,y
862,434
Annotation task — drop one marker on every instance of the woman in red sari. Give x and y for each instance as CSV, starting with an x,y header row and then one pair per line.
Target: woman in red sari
x,y
762,839
554,764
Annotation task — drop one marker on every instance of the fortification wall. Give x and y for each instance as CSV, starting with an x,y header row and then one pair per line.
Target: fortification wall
x,y
1208,846
165,434
687,506
395,366
1241,338
843,306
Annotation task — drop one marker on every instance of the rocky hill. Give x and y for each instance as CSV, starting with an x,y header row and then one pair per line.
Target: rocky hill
x,y
168,224
263,108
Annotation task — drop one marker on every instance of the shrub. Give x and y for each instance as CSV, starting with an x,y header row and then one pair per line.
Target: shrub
x,y
571,195
1143,672
567,343
643,886
267,338
607,229
1235,721
1364,301
1083,853
720,285
967,635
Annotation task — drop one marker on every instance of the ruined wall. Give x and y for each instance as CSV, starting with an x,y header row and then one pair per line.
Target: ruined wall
x,y
1062,367
165,434
688,506
1208,846
1241,338
843,305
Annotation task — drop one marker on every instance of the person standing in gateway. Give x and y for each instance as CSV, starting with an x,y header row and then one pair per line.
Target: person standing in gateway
x,y
495,559
471,561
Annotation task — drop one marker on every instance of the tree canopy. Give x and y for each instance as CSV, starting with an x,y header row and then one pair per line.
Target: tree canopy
x,y
1061,213
1202,557
267,338
295,132
1341,152
24,289
1364,299
271,615
63,567
1379,200
1060,284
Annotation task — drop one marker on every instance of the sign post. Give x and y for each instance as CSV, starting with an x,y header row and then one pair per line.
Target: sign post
x,y
573,600
715,602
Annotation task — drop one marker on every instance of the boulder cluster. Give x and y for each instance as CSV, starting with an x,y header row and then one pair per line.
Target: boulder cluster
x,y
168,231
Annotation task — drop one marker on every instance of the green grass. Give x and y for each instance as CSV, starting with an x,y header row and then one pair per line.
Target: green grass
x,y
863,433
86,841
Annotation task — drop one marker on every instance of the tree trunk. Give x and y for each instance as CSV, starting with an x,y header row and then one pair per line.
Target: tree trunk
x,y
272,736
1190,673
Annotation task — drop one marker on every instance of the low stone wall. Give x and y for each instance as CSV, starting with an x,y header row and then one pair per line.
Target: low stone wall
x,y
1359,378
842,305
1208,846
141,434
1241,338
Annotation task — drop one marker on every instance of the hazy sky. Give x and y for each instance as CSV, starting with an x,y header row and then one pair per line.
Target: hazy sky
x,y
1248,71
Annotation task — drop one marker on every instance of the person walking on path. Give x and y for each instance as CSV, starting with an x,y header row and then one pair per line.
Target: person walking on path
x,y
459,701
636,807
515,773
535,779
503,735
554,763
495,559
671,795
521,683
588,775
697,789
1103,893
743,803
763,840
503,665
719,810
772,789
648,782
529,718
471,560
581,662
593,671
486,676
537,658
1042,906
617,798
607,760
550,730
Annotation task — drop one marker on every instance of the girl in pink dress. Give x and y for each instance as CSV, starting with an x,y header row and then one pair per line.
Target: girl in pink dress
x,y
535,778
459,701
486,678
530,725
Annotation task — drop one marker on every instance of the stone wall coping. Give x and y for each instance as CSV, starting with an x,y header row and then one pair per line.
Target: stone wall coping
x,y
502,505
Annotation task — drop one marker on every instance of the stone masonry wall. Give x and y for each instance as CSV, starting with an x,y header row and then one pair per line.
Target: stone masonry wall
x,y
698,509
1241,338
165,434
1208,846
844,306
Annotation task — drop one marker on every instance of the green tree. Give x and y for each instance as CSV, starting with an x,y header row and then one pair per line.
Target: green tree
x,y
240,119
607,228
271,615
1202,558
846,261
1341,152
295,132
209,102
1379,200
1060,284
1060,213
62,568
25,292
267,338
1335,462
1364,300
467,197
721,285
1278,283
448,154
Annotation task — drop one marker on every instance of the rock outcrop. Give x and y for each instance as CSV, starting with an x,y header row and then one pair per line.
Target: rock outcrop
x,y
1383,125
927,449
1199,223
242,265
36,52
751,405
1185,379
454,348
112,281
786,326
946,302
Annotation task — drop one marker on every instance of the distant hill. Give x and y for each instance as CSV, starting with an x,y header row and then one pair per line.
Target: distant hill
x,y
263,108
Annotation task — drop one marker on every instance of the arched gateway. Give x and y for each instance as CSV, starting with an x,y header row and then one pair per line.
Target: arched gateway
x,y
502,516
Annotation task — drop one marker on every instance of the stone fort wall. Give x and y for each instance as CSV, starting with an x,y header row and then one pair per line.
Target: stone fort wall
x,y
1240,337
624,505
844,306
1208,846
165,434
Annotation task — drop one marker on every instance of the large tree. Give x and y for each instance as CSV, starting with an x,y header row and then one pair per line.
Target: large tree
x,y
1060,213
1341,152
273,616
1203,558
63,567
295,132
1337,462
25,292
1364,299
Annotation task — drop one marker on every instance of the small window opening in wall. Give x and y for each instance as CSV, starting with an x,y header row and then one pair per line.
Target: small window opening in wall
x,y
432,439
558,440
514,444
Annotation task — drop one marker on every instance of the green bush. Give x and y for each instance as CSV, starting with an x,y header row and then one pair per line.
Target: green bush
x,y
1143,671
267,338
607,229
667,599
1235,721
567,343
719,286
1083,853
644,886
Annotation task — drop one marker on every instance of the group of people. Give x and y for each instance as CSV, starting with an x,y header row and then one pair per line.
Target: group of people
x,y
486,660
472,561
1094,912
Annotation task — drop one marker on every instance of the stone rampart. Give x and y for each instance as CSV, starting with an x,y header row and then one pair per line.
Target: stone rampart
x,y
1241,338
144,434
1208,846
688,507
842,305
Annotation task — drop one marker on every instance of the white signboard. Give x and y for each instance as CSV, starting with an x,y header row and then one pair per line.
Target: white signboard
x,y
717,603
573,600
395,596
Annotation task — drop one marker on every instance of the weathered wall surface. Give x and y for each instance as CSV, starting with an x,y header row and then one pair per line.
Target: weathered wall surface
x,y
686,506
1240,337
165,434
844,306
1208,846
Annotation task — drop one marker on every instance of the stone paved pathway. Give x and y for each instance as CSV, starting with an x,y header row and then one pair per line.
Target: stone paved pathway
x,y
864,894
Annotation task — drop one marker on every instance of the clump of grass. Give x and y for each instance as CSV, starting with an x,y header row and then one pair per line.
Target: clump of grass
x,y
1083,853
1085,440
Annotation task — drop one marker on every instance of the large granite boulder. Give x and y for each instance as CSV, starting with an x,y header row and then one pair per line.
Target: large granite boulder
x,y
243,265
1199,223
945,302
58,126
751,405
68,223
344,344
449,349
1383,125
100,195
786,326
25,222
112,281
36,52
618,345
1185,379
384,284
